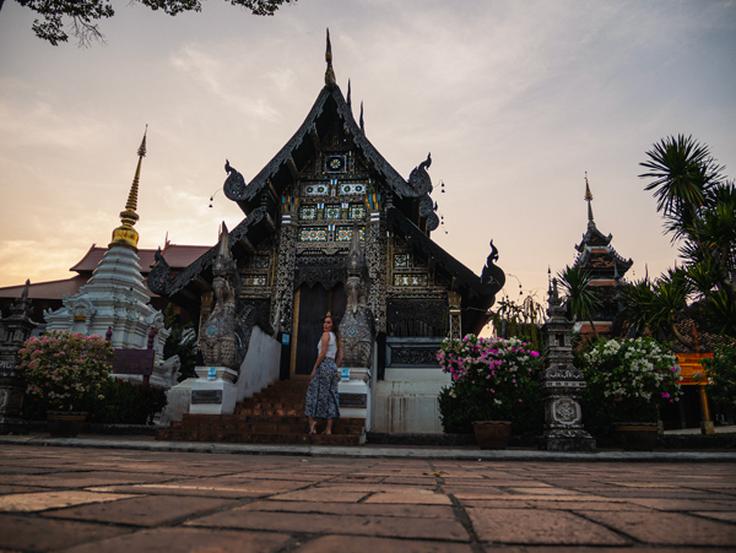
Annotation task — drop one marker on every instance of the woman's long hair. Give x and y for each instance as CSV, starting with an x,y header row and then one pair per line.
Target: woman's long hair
x,y
335,329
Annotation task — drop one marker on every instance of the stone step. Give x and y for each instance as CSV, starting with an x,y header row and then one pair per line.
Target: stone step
x,y
274,438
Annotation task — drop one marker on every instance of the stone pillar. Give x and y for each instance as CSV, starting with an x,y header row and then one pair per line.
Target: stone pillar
x,y
454,300
563,384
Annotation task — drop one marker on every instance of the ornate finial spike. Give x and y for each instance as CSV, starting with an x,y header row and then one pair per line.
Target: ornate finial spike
x,y
329,72
142,147
362,121
26,289
348,100
589,199
125,234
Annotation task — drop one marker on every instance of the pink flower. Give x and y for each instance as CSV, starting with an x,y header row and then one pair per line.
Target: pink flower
x,y
665,395
534,353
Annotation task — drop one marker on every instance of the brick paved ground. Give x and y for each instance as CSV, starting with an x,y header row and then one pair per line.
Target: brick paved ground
x,y
92,500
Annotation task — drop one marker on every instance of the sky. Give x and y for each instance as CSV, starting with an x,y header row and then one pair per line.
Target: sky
x,y
515,100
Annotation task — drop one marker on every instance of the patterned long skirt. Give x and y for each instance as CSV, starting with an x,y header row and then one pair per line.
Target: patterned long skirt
x,y
322,401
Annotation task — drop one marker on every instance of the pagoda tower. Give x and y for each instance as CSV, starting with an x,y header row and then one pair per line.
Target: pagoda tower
x,y
606,268
115,302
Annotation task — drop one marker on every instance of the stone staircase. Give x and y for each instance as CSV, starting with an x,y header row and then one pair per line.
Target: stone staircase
x,y
273,416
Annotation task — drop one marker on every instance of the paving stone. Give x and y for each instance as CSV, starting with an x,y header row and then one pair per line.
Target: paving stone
x,y
322,494
143,510
728,516
394,527
80,479
398,510
418,497
354,544
668,528
39,501
534,526
36,534
684,504
184,540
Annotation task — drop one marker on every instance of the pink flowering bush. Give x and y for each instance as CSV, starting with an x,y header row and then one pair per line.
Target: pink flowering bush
x,y
65,372
492,379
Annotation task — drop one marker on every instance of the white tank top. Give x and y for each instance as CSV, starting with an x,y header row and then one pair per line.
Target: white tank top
x,y
331,346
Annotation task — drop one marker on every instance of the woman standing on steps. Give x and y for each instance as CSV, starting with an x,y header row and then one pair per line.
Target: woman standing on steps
x,y
322,400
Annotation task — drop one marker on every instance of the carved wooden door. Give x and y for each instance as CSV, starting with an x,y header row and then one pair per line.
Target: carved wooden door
x,y
314,302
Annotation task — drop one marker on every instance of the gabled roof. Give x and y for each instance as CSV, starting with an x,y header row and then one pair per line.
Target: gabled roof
x,y
480,292
49,290
330,101
163,280
177,256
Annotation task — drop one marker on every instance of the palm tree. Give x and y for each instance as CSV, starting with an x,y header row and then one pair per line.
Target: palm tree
x,y
684,172
582,301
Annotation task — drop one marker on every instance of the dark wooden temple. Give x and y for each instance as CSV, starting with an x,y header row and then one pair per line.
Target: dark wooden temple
x,y
606,268
301,211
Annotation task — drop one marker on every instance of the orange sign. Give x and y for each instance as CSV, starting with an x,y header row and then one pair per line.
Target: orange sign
x,y
692,370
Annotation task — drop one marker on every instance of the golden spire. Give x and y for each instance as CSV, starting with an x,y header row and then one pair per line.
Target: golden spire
x,y
329,73
125,234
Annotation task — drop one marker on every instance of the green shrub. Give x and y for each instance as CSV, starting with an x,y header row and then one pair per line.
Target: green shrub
x,y
626,380
127,403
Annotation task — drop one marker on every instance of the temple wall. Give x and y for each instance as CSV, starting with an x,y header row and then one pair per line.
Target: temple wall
x,y
406,401
261,364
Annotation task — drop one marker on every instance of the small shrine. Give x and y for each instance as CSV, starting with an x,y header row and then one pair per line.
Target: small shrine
x,y
15,328
115,302
606,269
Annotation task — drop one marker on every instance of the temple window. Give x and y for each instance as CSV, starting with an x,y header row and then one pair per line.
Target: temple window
x,y
313,234
404,279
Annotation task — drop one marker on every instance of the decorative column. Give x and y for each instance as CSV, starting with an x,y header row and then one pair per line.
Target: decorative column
x,y
375,247
563,384
14,330
283,297
454,300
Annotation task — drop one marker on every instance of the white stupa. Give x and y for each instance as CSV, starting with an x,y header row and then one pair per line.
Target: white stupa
x,y
115,299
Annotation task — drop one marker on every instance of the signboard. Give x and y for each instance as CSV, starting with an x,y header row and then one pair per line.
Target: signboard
x,y
206,397
692,370
212,373
345,374
356,401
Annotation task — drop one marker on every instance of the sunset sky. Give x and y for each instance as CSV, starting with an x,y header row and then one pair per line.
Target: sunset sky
x,y
515,100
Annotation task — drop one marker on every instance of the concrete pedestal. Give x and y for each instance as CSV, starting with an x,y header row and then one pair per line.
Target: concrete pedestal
x,y
355,396
214,391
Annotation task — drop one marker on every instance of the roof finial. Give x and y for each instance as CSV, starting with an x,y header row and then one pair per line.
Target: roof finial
x,y
125,234
589,199
329,73
350,104
360,119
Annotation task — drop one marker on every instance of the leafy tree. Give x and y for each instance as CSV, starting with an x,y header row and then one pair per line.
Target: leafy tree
x,y
82,17
582,301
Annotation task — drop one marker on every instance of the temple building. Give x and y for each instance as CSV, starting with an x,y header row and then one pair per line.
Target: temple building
x,y
606,268
326,193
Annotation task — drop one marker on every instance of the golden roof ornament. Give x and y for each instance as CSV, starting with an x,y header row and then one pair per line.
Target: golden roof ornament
x,y
329,72
125,234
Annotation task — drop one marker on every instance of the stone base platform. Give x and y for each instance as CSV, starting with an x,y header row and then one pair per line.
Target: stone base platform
x,y
273,416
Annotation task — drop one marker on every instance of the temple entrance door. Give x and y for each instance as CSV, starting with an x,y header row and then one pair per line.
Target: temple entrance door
x,y
311,303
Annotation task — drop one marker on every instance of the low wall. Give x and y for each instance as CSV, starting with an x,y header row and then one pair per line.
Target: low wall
x,y
406,401
261,365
